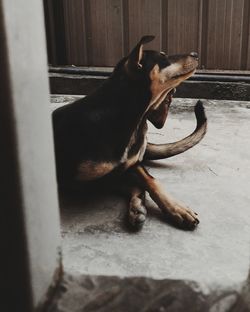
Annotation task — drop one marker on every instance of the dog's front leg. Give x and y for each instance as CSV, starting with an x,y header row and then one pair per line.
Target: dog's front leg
x,y
178,213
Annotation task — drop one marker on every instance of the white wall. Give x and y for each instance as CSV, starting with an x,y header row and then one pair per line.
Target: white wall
x,y
28,100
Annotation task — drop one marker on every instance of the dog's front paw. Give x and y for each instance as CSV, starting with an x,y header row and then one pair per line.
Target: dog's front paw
x,y
184,217
137,213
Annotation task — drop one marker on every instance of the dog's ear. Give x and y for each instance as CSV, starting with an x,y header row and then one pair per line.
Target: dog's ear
x,y
135,55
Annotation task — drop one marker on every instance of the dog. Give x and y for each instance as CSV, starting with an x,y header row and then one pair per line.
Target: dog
x,y
103,136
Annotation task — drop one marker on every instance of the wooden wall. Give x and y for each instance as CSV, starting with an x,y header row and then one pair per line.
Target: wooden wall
x,y
100,32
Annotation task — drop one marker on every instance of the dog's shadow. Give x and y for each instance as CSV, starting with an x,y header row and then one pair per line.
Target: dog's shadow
x,y
89,212
101,211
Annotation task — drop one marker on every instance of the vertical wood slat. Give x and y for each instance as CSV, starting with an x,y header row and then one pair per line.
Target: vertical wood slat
x,y
144,18
183,26
75,32
59,31
50,31
225,29
247,36
105,37
55,31
100,32
248,55
203,31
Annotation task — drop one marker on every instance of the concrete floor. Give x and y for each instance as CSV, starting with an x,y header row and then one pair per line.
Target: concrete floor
x,y
212,178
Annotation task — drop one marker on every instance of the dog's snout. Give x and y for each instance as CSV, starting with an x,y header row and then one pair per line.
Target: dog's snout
x,y
194,54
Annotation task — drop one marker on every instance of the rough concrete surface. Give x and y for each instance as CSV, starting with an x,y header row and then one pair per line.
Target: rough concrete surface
x,y
140,294
212,178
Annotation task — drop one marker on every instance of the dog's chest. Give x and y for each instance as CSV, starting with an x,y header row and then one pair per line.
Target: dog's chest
x,y
135,149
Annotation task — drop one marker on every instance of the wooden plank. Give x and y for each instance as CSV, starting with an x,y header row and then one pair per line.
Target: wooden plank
x,y
75,84
93,71
100,32
248,50
245,49
224,38
183,26
54,18
105,33
247,35
144,18
59,32
235,42
203,30
50,31
75,32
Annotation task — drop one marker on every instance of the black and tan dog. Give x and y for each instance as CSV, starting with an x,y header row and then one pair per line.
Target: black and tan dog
x,y
102,137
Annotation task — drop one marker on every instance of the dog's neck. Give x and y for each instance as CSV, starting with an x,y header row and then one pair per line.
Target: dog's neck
x,y
128,111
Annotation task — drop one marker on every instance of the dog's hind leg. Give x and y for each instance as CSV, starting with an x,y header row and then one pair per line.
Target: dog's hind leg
x,y
130,187
177,213
137,211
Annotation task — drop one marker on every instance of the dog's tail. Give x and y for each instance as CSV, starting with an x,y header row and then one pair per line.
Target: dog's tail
x,y
160,151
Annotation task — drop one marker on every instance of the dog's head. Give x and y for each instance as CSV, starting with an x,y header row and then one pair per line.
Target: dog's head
x,y
162,73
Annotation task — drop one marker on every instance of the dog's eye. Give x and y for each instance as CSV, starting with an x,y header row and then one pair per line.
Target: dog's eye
x,y
163,62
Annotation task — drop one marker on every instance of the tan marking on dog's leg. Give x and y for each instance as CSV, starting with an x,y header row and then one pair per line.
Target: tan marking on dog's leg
x,y
91,170
180,214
